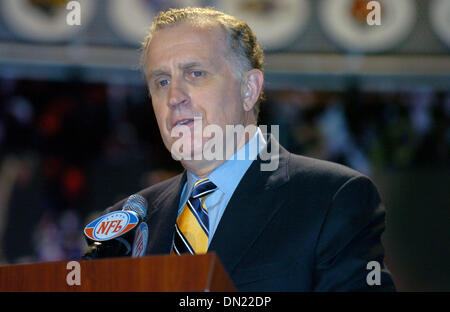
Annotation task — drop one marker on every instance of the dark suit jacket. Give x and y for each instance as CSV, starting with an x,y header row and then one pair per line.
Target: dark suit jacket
x,y
310,225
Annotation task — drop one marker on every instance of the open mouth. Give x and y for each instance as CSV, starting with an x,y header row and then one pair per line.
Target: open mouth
x,y
184,122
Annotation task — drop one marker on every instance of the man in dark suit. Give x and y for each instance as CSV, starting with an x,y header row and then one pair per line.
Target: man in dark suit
x,y
296,224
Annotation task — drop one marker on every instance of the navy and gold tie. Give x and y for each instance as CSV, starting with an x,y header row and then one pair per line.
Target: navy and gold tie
x,y
192,226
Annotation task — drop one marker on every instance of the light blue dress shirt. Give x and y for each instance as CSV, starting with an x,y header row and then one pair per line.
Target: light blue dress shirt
x,y
226,177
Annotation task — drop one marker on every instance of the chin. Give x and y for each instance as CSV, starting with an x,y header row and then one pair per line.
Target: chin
x,y
182,149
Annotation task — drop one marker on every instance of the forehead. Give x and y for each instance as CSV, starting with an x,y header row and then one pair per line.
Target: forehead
x,y
184,43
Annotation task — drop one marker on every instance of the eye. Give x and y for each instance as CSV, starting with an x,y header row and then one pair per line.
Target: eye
x,y
197,73
162,83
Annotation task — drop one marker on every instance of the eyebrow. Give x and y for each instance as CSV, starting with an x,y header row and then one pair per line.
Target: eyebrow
x,y
165,72
190,65
157,73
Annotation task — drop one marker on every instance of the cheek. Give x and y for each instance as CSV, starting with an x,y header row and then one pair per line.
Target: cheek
x,y
161,117
221,106
231,111
158,115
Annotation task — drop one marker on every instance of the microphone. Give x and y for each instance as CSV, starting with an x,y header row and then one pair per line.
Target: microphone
x,y
119,233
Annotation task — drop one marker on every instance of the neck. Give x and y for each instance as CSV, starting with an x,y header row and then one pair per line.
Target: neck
x,y
203,168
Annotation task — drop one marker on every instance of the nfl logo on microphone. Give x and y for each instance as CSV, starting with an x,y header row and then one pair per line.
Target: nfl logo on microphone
x,y
111,225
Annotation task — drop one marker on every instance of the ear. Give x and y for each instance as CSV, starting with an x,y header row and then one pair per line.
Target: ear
x,y
251,87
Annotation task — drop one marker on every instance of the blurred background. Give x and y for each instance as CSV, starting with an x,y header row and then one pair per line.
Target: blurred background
x,y
77,131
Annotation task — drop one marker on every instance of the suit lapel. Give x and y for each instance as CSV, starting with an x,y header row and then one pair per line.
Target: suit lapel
x,y
162,221
249,209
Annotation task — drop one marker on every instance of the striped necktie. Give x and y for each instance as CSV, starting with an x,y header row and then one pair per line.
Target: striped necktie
x,y
192,226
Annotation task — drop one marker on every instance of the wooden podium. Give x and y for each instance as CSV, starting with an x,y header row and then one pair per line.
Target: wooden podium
x,y
155,273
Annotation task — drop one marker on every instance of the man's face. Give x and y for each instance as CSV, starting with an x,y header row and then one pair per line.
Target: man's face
x,y
190,75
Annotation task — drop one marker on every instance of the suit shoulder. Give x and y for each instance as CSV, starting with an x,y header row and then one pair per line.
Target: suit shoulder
x,y
160,186
154,191
314,166
320,172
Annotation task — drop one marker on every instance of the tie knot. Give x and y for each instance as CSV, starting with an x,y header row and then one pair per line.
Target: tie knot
x,y
202,188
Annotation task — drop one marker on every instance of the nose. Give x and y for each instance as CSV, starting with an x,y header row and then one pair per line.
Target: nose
x,y
178,95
